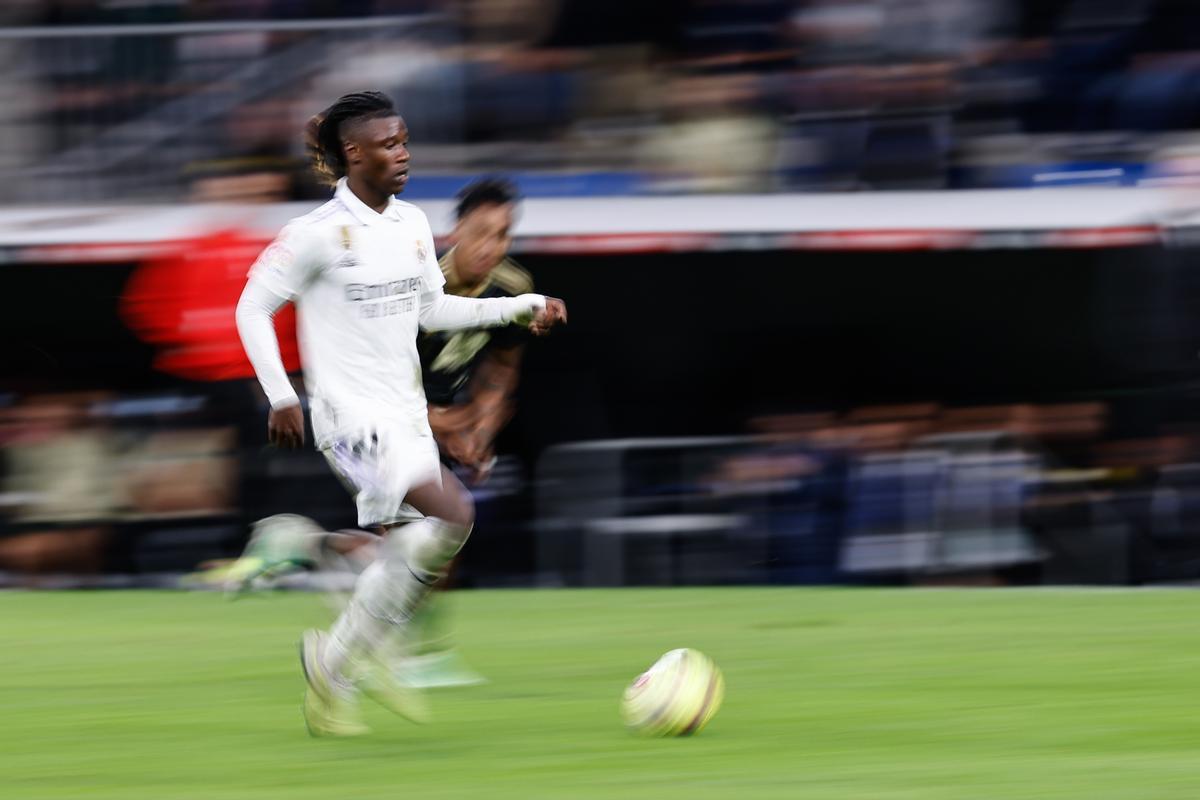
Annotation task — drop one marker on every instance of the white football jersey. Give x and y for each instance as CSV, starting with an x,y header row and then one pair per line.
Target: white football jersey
x,y
356,277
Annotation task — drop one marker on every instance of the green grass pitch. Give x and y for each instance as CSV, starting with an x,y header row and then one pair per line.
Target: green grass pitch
x,y
862,694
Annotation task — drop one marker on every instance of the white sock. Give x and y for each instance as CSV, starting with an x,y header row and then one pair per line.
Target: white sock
x,y
351,564
411,561
356,627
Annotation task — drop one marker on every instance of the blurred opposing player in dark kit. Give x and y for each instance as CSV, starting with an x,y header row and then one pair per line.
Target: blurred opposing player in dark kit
x,y
470,376
470,380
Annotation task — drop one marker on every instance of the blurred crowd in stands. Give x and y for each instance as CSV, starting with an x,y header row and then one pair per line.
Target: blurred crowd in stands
x,y
98,488
86,474
916,493
610,97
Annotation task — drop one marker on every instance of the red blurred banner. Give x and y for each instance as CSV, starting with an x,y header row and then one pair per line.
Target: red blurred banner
x,y
184,302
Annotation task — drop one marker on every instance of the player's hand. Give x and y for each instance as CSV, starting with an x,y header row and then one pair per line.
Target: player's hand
x,y
285,427
554,313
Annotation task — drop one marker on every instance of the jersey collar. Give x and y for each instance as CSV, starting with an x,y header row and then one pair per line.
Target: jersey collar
x,y
361,211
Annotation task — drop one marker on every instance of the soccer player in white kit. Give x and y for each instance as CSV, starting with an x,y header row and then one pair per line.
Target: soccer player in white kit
x,y
363,274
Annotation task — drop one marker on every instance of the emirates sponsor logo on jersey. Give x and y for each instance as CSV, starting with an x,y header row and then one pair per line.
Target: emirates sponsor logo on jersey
x,y
359,292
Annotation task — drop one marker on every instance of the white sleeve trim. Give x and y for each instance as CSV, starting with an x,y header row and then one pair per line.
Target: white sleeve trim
x,y
255,323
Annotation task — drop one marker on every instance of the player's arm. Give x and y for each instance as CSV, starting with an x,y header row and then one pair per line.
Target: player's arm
x,y
447,312
466,431
492,391
274,280
442,312
495,379
495,376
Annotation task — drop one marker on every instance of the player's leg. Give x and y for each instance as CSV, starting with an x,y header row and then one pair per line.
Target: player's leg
x,y
412,558
449,513
335,665
330,704
286,543
422,656
428,658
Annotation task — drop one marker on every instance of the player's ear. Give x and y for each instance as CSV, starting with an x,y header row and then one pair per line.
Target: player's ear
x,y
351,151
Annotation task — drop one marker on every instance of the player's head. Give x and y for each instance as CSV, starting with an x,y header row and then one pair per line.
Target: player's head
x,y
483,231
363,137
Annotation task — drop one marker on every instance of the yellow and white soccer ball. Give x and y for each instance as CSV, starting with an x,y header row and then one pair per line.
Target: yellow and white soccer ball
x,y
677,696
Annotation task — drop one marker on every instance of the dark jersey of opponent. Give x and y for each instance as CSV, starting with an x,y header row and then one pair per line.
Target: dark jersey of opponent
x,y
449,357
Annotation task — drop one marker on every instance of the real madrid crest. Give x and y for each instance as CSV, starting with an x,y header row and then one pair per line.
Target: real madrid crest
x,y
422,253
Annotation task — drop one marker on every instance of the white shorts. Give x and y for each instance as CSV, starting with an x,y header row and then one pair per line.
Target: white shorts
x,y
380,468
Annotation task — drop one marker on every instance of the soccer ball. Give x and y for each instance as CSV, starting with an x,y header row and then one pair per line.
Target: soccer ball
x,y
677,696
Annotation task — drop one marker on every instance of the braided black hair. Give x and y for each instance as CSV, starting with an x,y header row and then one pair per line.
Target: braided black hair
x,y
486,191
323,133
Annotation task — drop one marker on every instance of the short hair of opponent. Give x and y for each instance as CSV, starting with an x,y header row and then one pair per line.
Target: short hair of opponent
x,y
486,191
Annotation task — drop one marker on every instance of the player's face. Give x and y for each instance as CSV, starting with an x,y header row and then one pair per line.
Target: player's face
x,y
377,151
483,237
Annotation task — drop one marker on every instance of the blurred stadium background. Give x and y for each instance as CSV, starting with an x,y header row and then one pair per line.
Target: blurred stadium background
x,y
862,291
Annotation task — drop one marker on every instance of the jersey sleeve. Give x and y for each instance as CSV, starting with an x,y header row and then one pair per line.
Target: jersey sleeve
x,y
281,272
288,264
